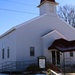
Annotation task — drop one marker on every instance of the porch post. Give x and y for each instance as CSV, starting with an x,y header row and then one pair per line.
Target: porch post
x,y
64,61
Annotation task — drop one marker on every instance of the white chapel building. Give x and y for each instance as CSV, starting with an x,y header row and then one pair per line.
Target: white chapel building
x,y
46,35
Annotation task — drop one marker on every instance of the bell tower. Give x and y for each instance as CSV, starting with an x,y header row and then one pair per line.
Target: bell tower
x,y
47,7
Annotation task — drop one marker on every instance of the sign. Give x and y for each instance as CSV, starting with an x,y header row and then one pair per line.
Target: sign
x,y
42,62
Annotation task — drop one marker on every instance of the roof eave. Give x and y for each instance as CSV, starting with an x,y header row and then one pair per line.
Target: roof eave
x,y
48,2
6,33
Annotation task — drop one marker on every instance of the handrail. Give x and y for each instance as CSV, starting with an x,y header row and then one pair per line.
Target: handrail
x,y
21,65
14,65
69,60
68,65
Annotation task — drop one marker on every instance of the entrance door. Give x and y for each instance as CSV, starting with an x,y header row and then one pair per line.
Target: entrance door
x,y
53,58
56,57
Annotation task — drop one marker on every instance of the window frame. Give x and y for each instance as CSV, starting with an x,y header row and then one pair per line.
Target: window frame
x,y
32,51
3,53
8,52
71,54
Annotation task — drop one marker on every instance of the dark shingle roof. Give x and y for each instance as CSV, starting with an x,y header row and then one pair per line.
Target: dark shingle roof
x,y
63,45
47,0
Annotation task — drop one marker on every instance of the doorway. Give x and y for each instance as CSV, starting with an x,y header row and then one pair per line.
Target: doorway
x,y
56,57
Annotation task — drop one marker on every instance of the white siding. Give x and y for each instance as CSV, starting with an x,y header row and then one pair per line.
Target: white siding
x,y
5,42
30,35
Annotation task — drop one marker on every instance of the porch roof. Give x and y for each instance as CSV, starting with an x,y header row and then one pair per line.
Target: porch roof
x,y
63,45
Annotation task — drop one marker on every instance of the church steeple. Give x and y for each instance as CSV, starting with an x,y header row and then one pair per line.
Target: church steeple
x,y
47,7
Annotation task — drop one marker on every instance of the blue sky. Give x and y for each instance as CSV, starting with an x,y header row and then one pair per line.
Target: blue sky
x,y
9,19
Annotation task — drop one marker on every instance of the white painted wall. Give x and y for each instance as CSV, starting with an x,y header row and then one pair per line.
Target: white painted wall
x,y
30,34
69,58
5,42
48,8
48,39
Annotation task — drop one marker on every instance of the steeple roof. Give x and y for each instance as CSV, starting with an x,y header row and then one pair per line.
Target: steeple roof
x,y
47,0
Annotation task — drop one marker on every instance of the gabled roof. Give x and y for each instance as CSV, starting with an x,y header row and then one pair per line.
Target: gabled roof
x,y
48,1
48,22
53,32
20,25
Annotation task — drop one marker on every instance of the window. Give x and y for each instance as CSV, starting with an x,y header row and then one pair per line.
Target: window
x,y
3,53
71,54
32,51
8,52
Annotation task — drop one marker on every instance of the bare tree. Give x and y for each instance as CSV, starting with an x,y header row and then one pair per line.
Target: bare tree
x,y
68,14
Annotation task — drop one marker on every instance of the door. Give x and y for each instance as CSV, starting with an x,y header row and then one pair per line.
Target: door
x,y
56,57
53,58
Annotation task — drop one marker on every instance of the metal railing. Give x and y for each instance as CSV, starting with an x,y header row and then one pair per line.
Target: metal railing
x,y
68,66
17,66
20,66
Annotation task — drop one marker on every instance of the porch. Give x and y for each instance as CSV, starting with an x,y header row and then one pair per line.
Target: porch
x,y
63,55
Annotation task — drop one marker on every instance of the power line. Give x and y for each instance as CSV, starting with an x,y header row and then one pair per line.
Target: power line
x,y
19,3
18,11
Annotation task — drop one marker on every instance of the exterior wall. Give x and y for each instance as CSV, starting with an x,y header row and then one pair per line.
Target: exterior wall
x,y
65,29
48,8
5,42
43,9
69,58
48,40
30,35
